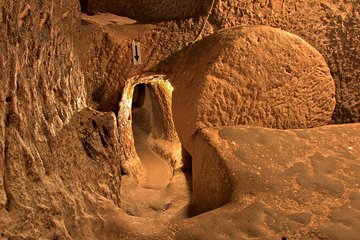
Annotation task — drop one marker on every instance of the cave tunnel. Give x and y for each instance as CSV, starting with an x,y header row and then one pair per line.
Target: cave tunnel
x,y
152,122
166,166
148,128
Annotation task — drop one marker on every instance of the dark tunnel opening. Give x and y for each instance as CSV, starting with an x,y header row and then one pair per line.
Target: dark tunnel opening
x,y
84,6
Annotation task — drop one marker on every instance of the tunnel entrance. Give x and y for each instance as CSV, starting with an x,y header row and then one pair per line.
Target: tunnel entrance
x,y
84,6
156,168
160,189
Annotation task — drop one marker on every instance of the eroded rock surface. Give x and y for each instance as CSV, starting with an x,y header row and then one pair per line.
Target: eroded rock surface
x,y
332,27
52,67
104,51
52,188
298,184
252,76
47,179
329,26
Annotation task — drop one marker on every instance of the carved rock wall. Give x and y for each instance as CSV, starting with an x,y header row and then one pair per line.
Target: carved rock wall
x,y
48,168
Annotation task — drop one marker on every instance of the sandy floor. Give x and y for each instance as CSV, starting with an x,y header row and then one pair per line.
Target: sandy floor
x,y
160,193
158,172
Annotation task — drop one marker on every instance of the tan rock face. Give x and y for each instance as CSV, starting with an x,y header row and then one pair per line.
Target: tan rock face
x,y
298,184
36,76
146,10
332,27
53,162
59,168
105,54
252,76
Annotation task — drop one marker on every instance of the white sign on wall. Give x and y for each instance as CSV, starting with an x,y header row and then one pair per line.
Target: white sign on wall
x,y
136,53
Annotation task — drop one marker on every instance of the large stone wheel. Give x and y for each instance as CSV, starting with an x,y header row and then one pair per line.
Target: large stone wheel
x,y
252,75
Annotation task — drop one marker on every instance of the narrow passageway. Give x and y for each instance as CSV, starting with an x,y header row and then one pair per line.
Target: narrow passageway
x,y
159,192
157,171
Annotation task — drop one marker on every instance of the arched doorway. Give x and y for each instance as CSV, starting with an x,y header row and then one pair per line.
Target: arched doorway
x,y
155,138
152,95
152,151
